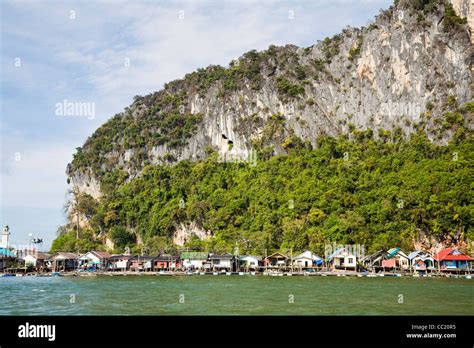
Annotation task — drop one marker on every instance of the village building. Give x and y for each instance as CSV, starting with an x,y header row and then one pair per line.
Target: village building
x,y
373,262
396,259
167,262
37,260
307,259
63,261
250,262
342,258
7,257
142,263
222,262
276,260
195,259
452,259
95,260
119,262
421,261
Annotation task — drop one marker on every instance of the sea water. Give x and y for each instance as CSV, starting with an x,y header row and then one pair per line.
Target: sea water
x,y
235,295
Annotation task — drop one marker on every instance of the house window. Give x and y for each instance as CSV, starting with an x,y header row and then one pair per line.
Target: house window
x,y
350,260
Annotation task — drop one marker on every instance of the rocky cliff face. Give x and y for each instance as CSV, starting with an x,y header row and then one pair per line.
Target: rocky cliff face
x,y
396,74
465,9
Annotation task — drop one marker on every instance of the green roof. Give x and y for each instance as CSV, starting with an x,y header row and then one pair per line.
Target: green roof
x,y
194,255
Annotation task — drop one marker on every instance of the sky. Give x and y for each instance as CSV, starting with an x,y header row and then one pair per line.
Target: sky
x,y
101,54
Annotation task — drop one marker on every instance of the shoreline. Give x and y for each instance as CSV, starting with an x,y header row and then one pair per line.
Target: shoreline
x,y
223,274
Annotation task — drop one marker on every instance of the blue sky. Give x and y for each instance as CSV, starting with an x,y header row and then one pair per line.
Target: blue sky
x,y
106,52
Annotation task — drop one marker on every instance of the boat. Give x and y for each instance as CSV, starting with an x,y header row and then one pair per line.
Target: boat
x,y
468,276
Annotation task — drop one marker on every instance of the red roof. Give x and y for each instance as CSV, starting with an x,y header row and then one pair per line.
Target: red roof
x,y
452,254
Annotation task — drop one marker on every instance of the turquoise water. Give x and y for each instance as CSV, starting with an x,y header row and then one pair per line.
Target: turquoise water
x,y
235,295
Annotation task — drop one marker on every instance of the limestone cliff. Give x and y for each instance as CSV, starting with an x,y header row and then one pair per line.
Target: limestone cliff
x,y
398,72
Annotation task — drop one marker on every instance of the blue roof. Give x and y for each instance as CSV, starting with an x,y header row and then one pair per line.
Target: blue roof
x,y
414,254
393,252
6,252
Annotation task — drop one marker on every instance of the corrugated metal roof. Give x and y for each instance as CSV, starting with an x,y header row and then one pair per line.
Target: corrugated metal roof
x,y
65,255
101,254
194,255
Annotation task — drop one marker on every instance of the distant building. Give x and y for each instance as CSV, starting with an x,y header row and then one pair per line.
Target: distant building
x,y
396,259
250,262
167,262
421,261
36,259
451,259
194,259
141,263
222,262
63,261
7,257
307,259
276,260
342,258
374,261
95,259
119,262
5,237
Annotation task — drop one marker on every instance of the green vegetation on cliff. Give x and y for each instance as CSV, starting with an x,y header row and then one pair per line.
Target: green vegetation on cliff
x,y
380,193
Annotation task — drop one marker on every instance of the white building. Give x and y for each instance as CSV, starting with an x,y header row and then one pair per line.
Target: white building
x,y
97,258
307,259
35,259
194,259
250,261
225,261
5,237
342,258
